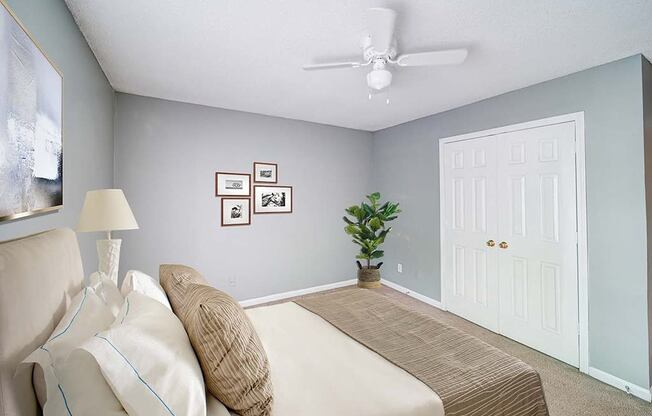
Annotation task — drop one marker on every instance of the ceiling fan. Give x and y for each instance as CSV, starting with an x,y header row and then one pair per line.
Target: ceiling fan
x,y
379,51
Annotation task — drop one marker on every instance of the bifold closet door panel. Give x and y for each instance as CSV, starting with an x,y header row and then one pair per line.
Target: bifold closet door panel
x,y
537,224
469,252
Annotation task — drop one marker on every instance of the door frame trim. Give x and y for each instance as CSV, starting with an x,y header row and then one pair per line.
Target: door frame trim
x,y
582,237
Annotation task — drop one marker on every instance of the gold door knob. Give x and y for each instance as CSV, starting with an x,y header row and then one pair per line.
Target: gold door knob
x,y
491,243
503,244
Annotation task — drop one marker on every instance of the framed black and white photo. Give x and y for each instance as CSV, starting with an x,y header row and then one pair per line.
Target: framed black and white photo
x,y
265,172
31,129
236,211
272,199
232,184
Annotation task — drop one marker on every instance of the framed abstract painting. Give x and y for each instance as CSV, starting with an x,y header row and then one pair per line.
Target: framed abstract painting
x,y
31,129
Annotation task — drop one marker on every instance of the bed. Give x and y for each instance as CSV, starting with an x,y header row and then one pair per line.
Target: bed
x,y
318,370
317,366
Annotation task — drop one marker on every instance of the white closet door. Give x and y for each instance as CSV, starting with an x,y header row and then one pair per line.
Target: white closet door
x,y
537,223
470,280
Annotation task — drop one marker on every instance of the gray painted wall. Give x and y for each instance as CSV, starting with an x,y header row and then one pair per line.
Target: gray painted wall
x,y
405,169
88,119
166,154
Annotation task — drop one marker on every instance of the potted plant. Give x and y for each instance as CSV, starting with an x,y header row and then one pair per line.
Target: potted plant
x,y
367,227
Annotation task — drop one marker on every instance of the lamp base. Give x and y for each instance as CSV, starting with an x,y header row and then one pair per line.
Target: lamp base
x,y
108,255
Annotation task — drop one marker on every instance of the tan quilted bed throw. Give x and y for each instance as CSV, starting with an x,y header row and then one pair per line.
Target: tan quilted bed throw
x,y
472,378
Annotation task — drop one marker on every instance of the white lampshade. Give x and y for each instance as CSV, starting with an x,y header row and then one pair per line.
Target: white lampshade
x,y
106,210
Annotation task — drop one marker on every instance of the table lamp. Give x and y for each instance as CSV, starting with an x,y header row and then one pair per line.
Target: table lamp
x,y
107,210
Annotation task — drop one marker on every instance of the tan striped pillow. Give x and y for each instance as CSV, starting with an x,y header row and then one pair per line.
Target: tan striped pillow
x,y
175,279
235,365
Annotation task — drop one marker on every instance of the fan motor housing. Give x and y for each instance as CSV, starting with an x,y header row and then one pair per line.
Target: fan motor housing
x,y
370,54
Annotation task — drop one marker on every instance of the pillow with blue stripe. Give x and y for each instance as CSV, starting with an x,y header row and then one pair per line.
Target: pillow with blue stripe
x,y
74,383
146,358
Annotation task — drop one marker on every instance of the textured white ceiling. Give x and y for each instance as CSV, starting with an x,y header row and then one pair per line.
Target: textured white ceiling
x,y
247,54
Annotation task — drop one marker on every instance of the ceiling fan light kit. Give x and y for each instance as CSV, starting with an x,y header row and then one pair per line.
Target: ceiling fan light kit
x,y
379,78
379,49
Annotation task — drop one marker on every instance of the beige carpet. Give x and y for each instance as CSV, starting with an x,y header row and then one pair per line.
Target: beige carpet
x,y
568,392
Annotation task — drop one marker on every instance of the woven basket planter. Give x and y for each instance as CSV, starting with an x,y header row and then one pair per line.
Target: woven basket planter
x,y
369,278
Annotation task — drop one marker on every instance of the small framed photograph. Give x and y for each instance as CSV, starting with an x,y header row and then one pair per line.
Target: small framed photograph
x,y
232,184
236,211
272,199
265,172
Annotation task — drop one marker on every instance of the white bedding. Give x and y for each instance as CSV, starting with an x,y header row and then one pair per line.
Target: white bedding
x,y
319,371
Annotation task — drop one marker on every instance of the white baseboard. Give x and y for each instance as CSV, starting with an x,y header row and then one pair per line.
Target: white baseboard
x,y
293,293
415,295
619,383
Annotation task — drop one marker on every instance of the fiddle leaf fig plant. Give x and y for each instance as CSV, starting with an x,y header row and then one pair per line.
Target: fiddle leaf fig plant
x,y
366,223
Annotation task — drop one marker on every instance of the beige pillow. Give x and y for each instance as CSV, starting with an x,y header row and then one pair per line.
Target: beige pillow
x,y
175,279
234,363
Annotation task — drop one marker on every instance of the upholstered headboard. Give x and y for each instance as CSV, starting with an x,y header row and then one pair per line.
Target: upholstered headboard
x,y
38,274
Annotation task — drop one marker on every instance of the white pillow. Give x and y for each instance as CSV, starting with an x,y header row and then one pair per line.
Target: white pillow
x,y
73,381
136,281
148,361
87,391
107,290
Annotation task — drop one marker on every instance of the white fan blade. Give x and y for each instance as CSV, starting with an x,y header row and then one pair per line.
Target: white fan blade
x,y
331,65
380,25
446,57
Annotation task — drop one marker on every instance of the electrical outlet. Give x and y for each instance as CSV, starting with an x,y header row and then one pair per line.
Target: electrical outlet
x,y
399,268
232,281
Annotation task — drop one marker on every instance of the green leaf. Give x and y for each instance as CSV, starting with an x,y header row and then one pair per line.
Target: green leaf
x,y
365,232
389,210
377,254
374,196
351,229
348,221
368,211
375,223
